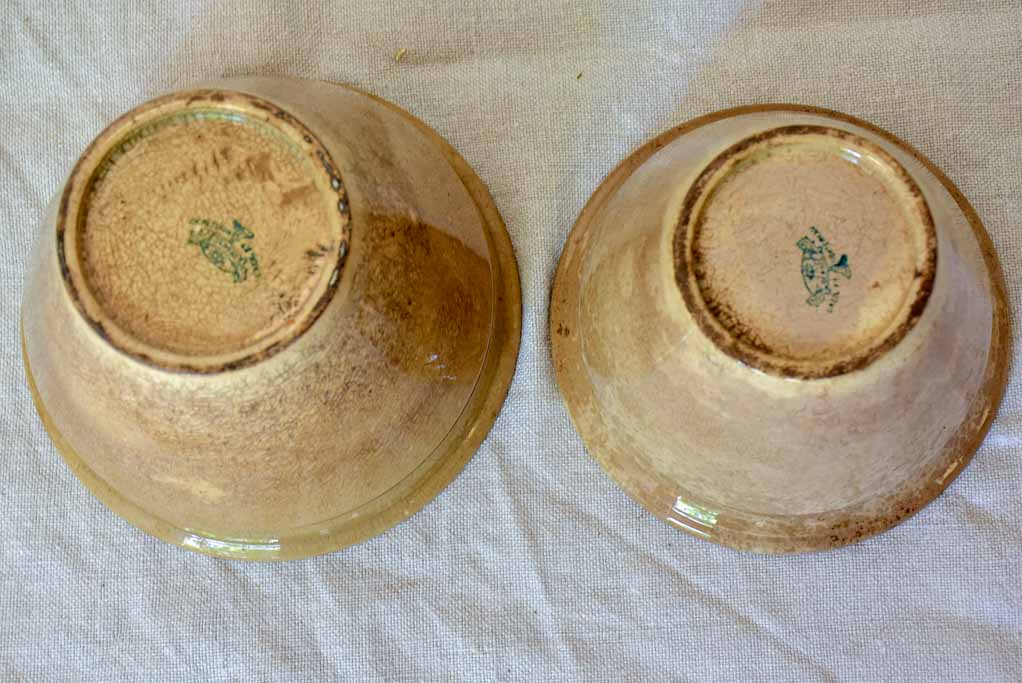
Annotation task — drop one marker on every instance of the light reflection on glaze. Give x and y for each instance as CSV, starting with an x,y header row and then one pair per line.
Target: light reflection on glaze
x,y
222,547
695,518
851,155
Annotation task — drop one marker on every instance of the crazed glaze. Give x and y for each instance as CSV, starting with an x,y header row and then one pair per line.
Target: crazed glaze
x,y
792,449
314,420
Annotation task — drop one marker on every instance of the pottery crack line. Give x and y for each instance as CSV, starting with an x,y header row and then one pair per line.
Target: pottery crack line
x,y
819,265
228,249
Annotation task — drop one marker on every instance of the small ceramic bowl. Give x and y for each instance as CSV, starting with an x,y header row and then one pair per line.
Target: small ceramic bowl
x,y
780,328
268,318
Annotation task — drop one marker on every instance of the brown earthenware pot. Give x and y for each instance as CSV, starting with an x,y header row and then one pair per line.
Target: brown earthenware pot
x,y
267,318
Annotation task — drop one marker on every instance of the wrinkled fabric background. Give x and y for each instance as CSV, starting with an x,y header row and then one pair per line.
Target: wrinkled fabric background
x,y
532,565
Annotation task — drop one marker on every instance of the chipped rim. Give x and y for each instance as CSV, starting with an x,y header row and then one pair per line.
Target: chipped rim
x,y
725,335
770,534
74,202
416,490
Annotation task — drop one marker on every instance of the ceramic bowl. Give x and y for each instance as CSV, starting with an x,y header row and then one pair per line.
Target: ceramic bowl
x,y
268,318
780,328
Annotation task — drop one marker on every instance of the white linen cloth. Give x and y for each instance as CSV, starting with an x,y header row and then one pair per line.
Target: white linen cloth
x,y
532,565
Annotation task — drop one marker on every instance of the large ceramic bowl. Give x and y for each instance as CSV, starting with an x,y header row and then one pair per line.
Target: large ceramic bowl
x,y
268,318
780,328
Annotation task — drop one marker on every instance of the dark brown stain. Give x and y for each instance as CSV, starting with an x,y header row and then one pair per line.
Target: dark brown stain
x,y
328,164
297,194
260,167
421,291
319,252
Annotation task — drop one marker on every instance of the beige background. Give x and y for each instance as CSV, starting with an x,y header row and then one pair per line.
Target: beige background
x,y
532,565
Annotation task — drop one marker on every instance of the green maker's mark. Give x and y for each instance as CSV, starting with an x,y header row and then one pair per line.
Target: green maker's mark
x,y
819,266
229,249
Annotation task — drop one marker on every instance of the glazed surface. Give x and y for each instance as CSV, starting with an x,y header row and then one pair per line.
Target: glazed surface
x,y
767,459
357,419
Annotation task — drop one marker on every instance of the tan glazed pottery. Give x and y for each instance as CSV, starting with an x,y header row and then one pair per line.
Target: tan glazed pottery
x,y
269,318
780,328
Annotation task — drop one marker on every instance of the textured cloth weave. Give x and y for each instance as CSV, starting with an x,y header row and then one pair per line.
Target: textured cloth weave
x,y
532,565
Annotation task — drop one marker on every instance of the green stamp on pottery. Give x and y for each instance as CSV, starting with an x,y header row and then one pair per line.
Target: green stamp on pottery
x,y
819,266
229,249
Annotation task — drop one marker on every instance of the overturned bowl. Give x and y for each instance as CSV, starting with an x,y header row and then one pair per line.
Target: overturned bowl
x,y
780,328
268,318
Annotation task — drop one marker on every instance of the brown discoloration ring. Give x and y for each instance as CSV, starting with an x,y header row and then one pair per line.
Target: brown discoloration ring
x,y
91,276
710,306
